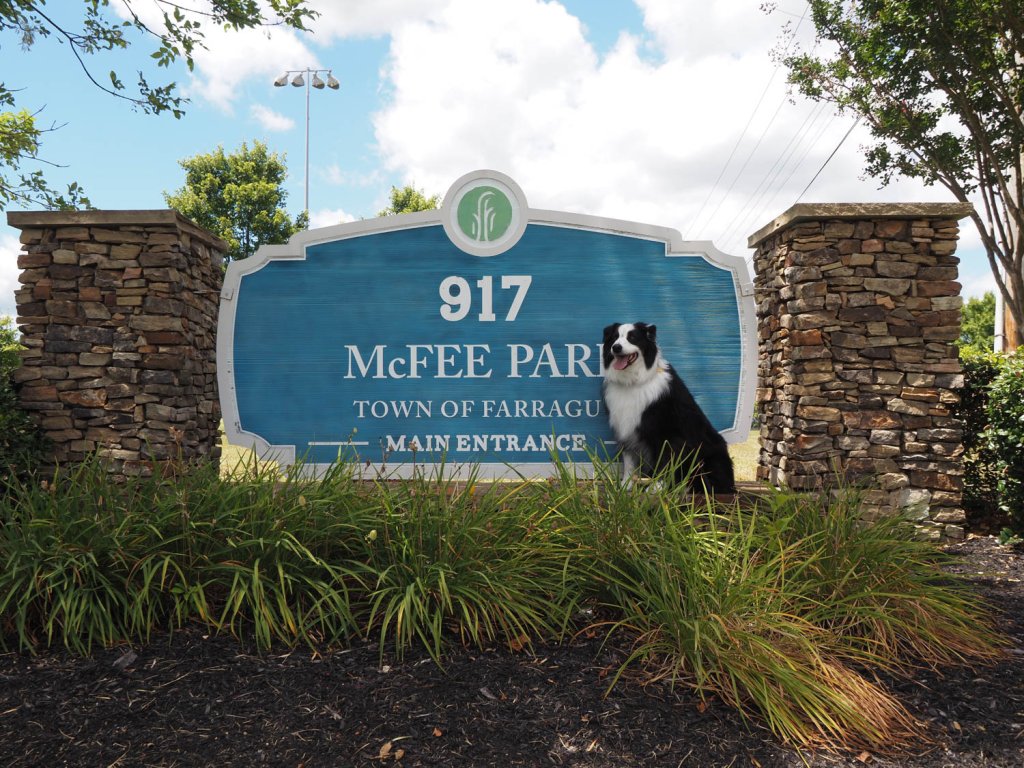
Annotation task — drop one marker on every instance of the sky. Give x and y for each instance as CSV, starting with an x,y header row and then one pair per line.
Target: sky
x,y
665,112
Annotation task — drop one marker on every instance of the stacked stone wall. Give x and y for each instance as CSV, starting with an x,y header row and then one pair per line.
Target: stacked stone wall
x,y
858,310
118,311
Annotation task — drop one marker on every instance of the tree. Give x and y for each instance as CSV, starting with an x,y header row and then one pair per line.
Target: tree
x,y
238,197
408,199
977,328
20,140
939,83
97,29
9,346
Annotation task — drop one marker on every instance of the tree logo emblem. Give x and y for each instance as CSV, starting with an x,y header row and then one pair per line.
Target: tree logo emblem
x,y
484,213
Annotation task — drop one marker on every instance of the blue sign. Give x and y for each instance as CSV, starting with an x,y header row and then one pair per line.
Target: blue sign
x,y
469,335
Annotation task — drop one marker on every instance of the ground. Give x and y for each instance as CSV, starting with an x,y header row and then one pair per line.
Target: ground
x,y
192,700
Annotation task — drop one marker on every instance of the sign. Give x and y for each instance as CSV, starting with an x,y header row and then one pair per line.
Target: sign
x,y
470,335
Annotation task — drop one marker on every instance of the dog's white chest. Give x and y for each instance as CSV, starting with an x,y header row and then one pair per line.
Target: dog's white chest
x,y
626,403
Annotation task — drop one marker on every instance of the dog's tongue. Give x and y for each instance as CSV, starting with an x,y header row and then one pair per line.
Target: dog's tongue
x,y
621,363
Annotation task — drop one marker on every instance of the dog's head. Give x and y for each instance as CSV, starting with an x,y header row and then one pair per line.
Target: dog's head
x,y
629,350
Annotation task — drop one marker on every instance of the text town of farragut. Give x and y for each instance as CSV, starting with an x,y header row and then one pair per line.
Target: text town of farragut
x,y
476,361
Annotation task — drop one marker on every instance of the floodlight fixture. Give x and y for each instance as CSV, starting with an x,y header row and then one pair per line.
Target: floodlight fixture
x,y
316,82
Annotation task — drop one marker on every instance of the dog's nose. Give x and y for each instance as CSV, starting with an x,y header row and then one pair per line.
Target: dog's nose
x,y
616,348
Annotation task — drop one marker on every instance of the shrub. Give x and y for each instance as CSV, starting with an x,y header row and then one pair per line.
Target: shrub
x,y
22,445
981,477
1005,437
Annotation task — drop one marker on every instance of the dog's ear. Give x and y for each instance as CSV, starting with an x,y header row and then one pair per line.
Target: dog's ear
x,y
611,330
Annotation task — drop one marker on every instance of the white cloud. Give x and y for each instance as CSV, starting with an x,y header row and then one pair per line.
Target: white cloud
x,y
518,88
327,217
977,282
230,58
269,119
643,132
10,248
335,174
353,18
691,31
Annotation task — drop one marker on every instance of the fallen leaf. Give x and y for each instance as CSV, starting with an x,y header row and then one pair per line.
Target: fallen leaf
x,y
399,754
125,661
438,732
864,757
384,751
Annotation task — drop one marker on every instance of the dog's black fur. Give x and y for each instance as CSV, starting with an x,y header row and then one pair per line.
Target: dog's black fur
x,y
656,420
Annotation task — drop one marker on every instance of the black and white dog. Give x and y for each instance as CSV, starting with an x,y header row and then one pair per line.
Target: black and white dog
x,y
654,417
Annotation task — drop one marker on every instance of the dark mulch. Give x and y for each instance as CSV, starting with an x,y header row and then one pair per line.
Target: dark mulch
x,y
198,701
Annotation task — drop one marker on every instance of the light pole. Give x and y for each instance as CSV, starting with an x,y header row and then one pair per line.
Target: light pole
x,y
312,77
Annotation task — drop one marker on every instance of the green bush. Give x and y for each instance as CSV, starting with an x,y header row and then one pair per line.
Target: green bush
x,y
1005,436
981,477
22,445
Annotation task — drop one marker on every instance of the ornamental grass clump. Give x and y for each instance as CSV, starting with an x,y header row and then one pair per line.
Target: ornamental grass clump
x,y
768,610
279,556
707,609
90,560
876,587
451,559
784,611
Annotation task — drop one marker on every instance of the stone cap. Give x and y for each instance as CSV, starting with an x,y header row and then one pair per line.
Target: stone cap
x,y
846,211
160,217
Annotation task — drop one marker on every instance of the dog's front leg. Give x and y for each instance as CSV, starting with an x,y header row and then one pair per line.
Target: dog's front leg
x,y
629,466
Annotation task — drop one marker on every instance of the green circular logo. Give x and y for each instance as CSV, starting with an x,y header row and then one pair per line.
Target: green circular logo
x,y
484,214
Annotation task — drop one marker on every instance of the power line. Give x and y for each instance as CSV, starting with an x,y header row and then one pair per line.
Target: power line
x,y
746,162
827,160
728,161
801,146
772,174
739,140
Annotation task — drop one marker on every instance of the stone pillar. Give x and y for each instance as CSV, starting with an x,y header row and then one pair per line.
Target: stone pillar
x,y
858,309
118,311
